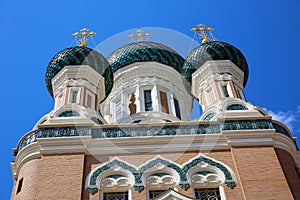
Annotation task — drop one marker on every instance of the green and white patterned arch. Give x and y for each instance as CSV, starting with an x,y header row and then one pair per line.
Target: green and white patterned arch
x,y
116,165
204,162
159,164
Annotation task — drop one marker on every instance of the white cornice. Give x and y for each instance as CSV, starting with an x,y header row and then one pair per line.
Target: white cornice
x,y
155,144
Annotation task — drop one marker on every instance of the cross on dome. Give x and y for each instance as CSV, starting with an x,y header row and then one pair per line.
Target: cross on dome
x,y
84,33
201,30
139,35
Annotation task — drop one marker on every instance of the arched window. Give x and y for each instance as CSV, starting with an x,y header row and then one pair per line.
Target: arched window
x,y
114,180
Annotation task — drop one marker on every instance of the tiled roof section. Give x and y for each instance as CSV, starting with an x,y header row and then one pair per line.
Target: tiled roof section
x,y
144,51
79,56
215,50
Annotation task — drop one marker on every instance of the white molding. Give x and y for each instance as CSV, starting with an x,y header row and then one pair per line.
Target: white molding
x,y
172,195
79,75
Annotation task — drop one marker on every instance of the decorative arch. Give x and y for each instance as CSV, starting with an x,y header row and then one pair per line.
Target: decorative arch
x,y
160,165
137,177
206,164
114,166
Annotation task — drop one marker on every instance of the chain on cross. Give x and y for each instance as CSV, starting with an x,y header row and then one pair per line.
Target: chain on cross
x,y
83,34
139,35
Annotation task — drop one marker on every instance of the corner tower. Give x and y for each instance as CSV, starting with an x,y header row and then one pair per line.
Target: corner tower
x,y
218,73
76,88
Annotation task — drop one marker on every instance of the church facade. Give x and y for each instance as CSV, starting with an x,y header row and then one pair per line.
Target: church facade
x,y
120,129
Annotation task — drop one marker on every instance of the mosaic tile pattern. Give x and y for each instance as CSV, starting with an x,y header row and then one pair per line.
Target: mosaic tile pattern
x,y
215,50
79,56
144,51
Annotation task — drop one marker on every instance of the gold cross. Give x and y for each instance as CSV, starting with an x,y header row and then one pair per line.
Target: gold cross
x,y
202,29
83,34
139,35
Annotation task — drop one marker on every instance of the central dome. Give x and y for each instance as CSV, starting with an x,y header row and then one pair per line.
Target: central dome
x,y
144,51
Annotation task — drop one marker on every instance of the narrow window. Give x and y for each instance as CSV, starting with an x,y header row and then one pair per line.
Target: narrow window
x,y
20,184
115,196
164,102
148,100
155,193
225,91
89,101
118,110
132,105
207,193
177,108
74,96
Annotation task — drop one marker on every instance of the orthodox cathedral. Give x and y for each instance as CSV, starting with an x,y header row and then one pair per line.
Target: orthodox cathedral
x,y
120,129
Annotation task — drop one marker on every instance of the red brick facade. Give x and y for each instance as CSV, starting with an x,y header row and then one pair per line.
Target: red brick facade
x,y
259,172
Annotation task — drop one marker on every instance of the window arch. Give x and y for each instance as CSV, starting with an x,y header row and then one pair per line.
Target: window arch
x,y
113,176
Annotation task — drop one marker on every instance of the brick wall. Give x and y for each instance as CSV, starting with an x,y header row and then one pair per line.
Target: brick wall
x,y
260,174
258,170
290,171
51,177
29,172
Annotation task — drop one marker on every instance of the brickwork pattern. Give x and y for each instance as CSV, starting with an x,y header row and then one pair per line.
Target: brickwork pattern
x,y
290,171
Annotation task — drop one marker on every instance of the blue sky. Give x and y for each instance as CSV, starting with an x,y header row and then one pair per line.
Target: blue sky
x,y
32,32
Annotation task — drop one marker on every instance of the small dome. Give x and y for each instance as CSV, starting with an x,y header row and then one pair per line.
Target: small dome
x,y
79,56
144,51
215,50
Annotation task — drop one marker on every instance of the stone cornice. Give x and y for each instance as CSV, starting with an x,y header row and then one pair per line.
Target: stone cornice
x,y
91,145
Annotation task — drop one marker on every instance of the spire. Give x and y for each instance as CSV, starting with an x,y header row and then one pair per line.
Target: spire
x,y
201,30
139,35
84,33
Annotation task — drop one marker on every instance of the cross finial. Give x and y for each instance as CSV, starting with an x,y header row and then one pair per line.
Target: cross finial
x,y
84,33
139,35
201,30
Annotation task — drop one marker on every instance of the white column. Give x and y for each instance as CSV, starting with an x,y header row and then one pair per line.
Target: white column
x,y
154,94
141,99
172,106
138,99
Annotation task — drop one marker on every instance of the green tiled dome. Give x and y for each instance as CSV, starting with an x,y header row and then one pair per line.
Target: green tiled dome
x,y
144,51
79,56
215,50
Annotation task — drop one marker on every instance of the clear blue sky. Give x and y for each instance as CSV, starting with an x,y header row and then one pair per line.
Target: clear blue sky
x,y
32,32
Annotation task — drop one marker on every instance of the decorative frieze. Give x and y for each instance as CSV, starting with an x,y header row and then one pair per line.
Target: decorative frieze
x,y
154,130
159,164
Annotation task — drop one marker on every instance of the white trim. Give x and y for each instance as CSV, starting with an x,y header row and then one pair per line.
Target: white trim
x,y
172,195
71,93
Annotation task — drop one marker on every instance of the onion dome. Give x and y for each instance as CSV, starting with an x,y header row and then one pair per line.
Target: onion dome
x,y
79,55
144,51
214,50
